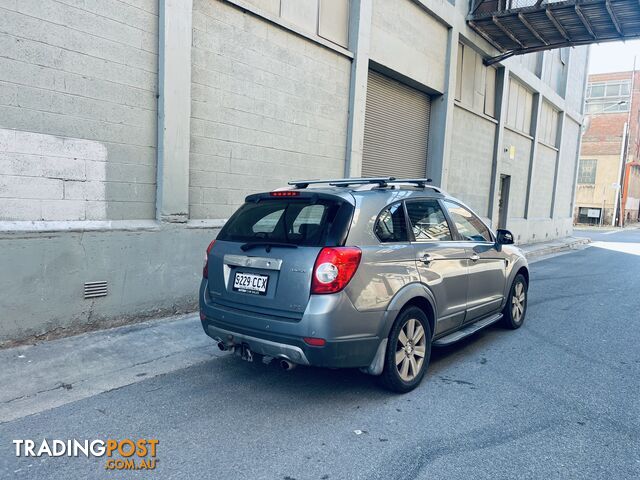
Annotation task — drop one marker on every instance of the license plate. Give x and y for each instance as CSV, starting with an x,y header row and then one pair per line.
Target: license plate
x,y
250,283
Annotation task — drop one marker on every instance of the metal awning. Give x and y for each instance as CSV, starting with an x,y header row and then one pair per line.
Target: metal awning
x,y
516,27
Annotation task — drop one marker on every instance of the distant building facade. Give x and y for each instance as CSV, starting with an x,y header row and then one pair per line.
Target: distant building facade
x,y
130,130
608,181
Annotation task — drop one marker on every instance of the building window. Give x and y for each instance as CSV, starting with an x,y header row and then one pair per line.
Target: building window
x,y
607,107
328,19
608,89
564,55
475,83
519,108
490,92
608,97
548,125
459,72
587,172
589,215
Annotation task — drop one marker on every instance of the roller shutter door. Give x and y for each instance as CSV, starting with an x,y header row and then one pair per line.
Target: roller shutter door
x,y
396,129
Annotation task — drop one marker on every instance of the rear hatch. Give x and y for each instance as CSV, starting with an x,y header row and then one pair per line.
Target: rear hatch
x,y
263,257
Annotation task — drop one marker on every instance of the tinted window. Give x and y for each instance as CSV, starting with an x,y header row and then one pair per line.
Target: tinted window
x,y
428,221
299,221
468,225
391,225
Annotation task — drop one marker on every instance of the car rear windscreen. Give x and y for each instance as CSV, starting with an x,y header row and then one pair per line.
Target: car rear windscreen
x,y
299,221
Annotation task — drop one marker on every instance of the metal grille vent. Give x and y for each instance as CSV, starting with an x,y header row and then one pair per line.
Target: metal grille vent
x,y
95,289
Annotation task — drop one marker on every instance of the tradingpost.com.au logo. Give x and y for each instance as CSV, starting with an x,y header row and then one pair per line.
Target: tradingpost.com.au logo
x,y
126,454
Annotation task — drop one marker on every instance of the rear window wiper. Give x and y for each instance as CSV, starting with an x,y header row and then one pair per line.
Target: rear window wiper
x,y
250,245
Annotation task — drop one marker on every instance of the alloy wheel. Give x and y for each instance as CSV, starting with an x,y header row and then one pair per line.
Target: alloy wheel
x,y
410,350
518,302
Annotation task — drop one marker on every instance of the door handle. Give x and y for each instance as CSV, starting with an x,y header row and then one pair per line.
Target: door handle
x,y
475,257
426,259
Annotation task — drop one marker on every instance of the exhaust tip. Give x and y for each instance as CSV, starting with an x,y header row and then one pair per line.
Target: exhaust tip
x,y
222,346
286,365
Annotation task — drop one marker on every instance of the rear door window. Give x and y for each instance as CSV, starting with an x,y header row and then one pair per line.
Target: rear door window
x,y
391,225
428,221
296,221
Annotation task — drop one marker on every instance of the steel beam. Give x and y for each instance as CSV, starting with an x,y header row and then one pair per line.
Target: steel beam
x,y
584,21
506,31
533,31
556,24
614,18
486,36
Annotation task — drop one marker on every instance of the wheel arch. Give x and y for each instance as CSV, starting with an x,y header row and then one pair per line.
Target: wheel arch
x,y
525,273
423,304
520,266
413,294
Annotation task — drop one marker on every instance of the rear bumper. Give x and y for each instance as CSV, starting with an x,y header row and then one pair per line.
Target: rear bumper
x,y
258,345
351,340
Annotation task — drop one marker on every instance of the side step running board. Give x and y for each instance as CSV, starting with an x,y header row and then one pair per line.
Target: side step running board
x,y
467,330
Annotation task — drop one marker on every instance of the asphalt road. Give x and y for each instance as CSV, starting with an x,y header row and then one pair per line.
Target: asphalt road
x,y
559,398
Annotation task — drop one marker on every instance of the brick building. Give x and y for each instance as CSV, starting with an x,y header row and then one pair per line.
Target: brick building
x,y
609,169
130,129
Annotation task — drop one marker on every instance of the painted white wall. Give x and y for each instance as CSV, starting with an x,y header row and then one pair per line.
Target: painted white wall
x,y
48,177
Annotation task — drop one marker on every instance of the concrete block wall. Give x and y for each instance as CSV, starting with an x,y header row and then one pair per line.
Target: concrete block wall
x,y
78,83
555,69
268,106
410,42
471,159
542,182
518,168
578,66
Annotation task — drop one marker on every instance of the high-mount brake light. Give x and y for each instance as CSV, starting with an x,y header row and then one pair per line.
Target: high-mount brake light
x,y
334,269
284,193
205,269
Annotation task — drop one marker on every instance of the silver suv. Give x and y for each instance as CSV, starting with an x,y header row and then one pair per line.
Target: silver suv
x,y
358,273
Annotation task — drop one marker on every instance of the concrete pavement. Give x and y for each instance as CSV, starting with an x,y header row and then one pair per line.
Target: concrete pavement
x,y
57,372
555,399
536,251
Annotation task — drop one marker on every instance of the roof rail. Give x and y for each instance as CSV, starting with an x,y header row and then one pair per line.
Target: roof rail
x,y
419,182
343,182
380,181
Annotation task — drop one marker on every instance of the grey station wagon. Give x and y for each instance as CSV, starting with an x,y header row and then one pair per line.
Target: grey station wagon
x,y
358,273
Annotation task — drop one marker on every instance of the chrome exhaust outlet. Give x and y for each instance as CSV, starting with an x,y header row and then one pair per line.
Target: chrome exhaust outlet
x,y
224,347
286,365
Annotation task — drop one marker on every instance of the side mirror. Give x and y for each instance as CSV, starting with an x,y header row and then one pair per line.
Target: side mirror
x,y
504,237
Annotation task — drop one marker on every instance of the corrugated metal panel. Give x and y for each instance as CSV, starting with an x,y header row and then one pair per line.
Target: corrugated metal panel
x,y
396,129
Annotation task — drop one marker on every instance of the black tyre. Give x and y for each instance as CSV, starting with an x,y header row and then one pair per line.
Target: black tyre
x,y
516,307
408,351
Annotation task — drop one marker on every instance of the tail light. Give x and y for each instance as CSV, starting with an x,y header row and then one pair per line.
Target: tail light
x,y
205,269
334,269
